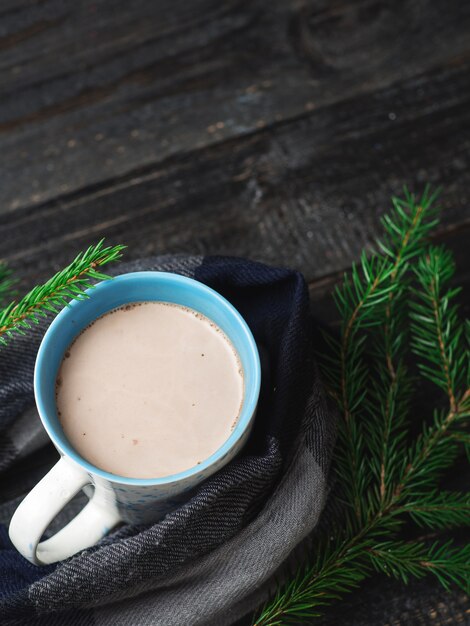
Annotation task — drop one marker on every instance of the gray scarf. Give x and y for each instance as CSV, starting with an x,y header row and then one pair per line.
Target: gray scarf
x,y
212,560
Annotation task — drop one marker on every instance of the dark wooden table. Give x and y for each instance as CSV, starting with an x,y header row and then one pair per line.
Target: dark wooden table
x,y
273,129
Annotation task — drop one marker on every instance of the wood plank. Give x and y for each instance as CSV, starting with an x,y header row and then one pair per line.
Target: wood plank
x,y
89,94
307,193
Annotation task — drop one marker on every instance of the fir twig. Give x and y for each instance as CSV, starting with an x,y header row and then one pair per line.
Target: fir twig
x,y
312,588
382,479
405,237
438,342
404,560
438,509
68,284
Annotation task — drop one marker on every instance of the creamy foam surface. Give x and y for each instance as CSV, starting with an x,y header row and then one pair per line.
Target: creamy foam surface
x,y
149,389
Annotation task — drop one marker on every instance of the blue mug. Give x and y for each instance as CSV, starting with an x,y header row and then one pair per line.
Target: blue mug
x,y
116,499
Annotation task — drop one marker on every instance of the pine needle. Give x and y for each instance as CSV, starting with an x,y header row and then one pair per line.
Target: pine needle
x,y
68,284
405,560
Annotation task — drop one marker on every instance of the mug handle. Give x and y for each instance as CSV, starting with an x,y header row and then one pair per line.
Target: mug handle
x,y
45,501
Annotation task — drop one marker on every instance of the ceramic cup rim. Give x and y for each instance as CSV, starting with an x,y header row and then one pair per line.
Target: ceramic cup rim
x,y
251,395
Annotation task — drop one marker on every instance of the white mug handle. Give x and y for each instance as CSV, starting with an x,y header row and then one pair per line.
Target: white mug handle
x,y
45,501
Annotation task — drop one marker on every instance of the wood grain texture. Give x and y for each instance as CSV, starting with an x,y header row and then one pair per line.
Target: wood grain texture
x,y
89,94
306,193
271,129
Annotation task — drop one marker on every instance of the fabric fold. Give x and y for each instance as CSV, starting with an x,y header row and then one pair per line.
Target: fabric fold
x,y
212,560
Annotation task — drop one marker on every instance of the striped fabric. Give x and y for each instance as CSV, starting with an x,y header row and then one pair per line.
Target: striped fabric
x,y
212,560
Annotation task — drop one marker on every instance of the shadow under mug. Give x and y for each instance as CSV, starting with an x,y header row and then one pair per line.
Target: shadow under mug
x,y
114,499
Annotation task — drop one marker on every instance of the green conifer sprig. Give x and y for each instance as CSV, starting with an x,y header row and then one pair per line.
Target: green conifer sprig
x,y
433,314
397,297
68,284
405,560
437,509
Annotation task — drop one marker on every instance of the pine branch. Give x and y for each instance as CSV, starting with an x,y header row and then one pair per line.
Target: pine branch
x,y
373,298
438,341
68,284
382,482
437,333
388,412
434,451
438,509
404,560
367,289
406,234
328,578
339,566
